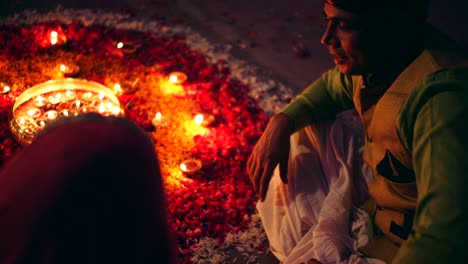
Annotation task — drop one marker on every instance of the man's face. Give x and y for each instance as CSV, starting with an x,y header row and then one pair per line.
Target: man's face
x,y
356,46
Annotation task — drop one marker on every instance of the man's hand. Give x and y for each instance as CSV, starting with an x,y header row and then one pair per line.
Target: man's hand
x,y
272,148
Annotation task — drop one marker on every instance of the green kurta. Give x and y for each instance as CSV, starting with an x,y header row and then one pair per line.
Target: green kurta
x,y
431,126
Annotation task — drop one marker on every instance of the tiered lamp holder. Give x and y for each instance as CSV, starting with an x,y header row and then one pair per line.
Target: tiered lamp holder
x,y
49,101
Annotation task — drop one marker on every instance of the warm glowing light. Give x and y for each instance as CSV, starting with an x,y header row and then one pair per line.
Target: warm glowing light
x,y
70,95
6,89
55,99
158,120
115,110
53,37
34,112
69,69
51,114
118,89
78,103
177,77
173,78
158,116
102,108
87,96
59,99
39,101
64,112
168,87
41,123
190,166
198,119
127,47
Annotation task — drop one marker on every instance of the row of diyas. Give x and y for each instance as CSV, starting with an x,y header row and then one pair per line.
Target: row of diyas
x,y
42,104
200,119
127,47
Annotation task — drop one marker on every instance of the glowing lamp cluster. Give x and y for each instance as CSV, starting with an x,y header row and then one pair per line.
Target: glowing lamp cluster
x,y
56,38
47,102
53,37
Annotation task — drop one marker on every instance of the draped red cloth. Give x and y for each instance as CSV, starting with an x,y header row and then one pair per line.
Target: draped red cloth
x,y
87,190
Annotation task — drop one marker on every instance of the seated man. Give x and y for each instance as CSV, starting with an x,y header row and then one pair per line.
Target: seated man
x,y
88,190
408,83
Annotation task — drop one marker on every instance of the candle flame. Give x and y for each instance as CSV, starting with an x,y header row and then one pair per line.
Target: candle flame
x,y
116,110
183,167
158,116
117,88
53,37
120,45
199,119
102,108
32,112
173,79
101,95
63,67
6,89
177,77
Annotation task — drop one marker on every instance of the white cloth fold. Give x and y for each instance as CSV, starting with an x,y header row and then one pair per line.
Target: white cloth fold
x,y
316,215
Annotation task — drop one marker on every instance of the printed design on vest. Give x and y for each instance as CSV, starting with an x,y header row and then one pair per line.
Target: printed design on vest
x,y
392,169
404,230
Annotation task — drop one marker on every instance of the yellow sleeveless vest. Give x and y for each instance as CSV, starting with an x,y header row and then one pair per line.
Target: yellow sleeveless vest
x,y
393,190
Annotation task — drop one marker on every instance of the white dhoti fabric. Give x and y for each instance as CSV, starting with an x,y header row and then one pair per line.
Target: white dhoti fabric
x,y
316,215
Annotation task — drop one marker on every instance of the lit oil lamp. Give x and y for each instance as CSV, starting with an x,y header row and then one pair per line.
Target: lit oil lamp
x,y
159,120
70,95
53,37
127,47
117,89
203,119
190,166
56,37
5,88
51,114
34,112
40,101
177,77
69,70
